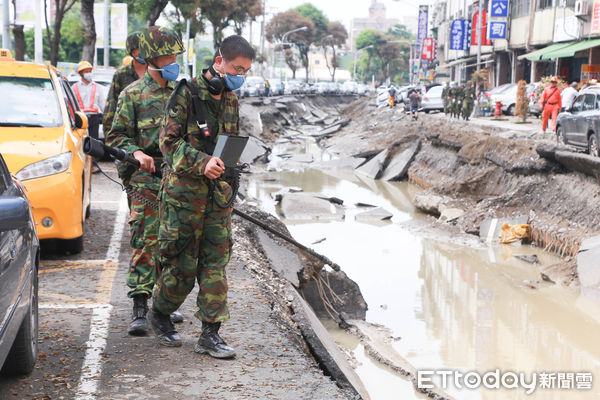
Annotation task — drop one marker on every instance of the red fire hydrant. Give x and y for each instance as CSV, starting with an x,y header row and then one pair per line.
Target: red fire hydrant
x,y
498,110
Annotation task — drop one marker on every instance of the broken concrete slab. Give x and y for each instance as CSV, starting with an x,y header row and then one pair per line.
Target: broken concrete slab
x,y
528,258
373,167
578,162
301,158
281,106
279,194
347,299
346,162
327,131
326,351
254,150
376,214
284,261
307,206
428,203
590,243
449,214
398,166
490,228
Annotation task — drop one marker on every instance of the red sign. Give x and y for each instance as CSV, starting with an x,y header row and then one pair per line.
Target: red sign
x,y
428,47
595,17
485,41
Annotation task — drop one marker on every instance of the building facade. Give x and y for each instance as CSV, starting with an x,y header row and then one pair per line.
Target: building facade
x,y
542,38
377,21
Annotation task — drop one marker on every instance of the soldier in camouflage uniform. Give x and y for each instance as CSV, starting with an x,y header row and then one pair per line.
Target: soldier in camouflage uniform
x,y
468,101
458,98
135,129
194,240
446,98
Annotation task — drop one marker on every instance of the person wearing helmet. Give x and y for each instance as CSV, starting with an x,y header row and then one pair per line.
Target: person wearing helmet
x,y
91,98
124,77
551,103
135,129
194,237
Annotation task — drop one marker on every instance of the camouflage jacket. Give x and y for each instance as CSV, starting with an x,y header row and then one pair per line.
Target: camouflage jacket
x,y
182,144
469,94
124,77
138,121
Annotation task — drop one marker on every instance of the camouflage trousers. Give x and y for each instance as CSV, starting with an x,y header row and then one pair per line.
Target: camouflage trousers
x,y
143,223
194,244
467,109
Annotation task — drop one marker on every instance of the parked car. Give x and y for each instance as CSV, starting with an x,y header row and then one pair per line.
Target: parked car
x,y
350,87
277,87
19,262
41,137
253,86
432,100
580,125
323,88
293,87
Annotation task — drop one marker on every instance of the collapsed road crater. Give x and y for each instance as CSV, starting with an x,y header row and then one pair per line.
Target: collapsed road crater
x,y
411,212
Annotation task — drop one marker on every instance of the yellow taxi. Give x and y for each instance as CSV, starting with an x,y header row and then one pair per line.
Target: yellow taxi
x,y
41,140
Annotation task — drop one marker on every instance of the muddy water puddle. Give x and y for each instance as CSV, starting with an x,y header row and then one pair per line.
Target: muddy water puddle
x,y
454,302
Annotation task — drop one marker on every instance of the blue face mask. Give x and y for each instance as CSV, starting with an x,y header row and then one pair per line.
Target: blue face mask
x,y
140,60
169,72
234,82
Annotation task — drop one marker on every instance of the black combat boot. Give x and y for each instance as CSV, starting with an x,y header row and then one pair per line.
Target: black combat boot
x,y
163,329
176,317
211,343
138,325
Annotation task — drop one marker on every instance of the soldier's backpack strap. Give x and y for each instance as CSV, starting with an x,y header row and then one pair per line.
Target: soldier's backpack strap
x,y
199,116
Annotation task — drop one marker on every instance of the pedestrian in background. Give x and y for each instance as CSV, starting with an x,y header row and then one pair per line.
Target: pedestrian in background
x,y
551,103
468,101
568,96
194,238
135,129
267,88
414,101
91,98
392,97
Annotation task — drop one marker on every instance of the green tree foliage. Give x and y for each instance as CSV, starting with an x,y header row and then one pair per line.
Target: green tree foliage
x,y
309,11
285,22
148,10
336,36
225,13
385,56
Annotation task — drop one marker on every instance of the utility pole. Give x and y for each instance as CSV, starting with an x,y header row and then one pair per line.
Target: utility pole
x,y
262,32
479,35
5,25
186,55
38,47
106,33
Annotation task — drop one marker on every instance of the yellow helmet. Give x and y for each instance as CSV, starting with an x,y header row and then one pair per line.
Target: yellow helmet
x,y
83,65
127,60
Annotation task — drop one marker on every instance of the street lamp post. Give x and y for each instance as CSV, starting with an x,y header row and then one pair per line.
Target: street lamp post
x,y
283,42
355,53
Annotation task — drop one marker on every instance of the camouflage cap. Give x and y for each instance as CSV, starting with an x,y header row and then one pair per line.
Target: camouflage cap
x,y
133,41
158,41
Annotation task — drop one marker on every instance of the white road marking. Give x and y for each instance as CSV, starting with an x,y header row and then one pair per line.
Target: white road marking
x,y
92,364
490,235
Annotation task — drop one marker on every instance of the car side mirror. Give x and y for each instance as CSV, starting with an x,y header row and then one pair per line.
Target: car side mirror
x,y
81,121
14,213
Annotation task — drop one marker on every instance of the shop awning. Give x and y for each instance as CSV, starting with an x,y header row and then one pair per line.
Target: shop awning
x,y
569,51
540,53
456,62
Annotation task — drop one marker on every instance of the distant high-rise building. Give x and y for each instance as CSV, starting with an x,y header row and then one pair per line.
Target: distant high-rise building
x,y
376,21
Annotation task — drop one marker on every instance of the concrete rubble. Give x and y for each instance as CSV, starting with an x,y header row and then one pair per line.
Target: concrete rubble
x,y
398,166
373,168
308,206
376,214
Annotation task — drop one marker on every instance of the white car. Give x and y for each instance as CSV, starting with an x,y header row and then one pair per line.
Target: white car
x,y
432,100
253,86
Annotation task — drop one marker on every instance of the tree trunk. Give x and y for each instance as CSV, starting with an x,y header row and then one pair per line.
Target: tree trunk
x,y
54,45
158,7
19,42
293,74
333,64
89,30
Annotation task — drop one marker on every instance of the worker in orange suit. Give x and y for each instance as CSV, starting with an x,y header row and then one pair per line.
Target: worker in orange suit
x,y
551,103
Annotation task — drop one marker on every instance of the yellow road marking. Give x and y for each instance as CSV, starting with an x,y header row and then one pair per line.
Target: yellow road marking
x,y
75,266
67,298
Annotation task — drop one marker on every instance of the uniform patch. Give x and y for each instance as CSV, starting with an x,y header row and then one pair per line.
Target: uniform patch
x,y
175,111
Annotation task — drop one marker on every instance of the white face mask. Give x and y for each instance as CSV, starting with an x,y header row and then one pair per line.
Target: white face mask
x,y
87,76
